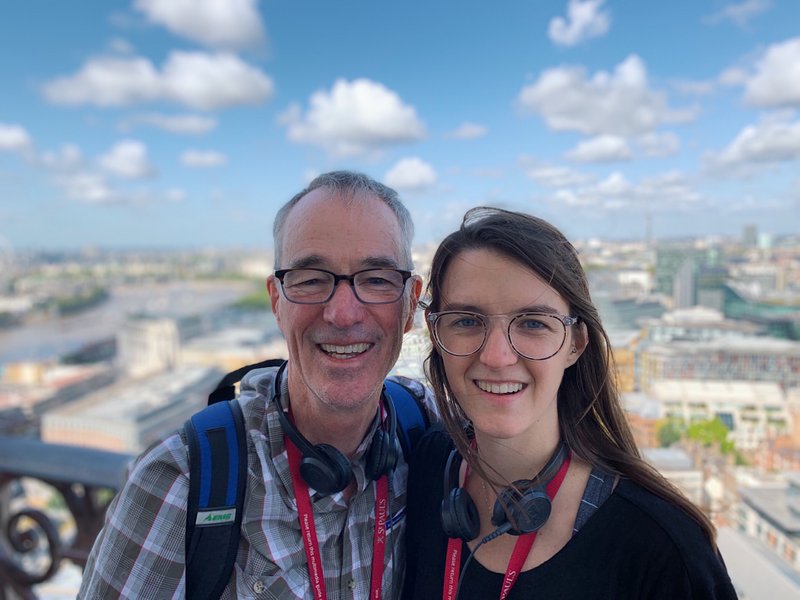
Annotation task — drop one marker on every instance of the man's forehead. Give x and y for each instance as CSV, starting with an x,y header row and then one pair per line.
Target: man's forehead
x,y
326,229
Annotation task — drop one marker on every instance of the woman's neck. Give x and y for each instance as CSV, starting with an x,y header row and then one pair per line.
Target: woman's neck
x,y
518,458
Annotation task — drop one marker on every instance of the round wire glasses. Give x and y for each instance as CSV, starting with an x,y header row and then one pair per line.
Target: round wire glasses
x,y
535,336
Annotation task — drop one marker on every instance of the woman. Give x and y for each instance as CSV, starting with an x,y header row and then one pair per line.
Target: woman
x,y
523,376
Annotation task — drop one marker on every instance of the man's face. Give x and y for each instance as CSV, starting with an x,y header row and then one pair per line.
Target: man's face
x,y
341,351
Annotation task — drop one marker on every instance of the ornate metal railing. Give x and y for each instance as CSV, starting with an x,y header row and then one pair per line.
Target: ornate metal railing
x,y
32,548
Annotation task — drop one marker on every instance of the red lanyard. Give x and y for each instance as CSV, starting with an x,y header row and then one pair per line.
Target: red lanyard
x,y
522,548
310,542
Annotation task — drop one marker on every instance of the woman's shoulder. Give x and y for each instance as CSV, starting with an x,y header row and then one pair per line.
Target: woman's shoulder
x,y
673,520
435,442
661,523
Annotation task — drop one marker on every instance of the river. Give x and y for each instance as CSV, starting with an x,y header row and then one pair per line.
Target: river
x,y
54,337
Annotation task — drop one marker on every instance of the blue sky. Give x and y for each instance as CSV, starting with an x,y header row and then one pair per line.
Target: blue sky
x,y
188,122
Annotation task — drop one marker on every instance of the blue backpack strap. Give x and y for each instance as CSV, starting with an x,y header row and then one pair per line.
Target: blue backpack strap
x,y
217,477
412,419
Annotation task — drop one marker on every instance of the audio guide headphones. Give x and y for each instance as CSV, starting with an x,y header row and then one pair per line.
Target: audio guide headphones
x,y
326,469
522,508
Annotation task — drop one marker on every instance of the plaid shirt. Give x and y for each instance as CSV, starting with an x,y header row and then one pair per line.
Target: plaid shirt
x,y
140,551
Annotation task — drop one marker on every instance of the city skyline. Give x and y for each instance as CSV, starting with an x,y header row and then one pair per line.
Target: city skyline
x,y
187,123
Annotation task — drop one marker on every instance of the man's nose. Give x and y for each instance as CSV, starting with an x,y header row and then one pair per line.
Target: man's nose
x,y
344,309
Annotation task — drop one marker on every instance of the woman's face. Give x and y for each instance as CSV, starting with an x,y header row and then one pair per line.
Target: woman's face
x,y
502,393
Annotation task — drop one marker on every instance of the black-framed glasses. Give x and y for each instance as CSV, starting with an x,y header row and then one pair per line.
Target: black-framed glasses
x,y
317,286
536,336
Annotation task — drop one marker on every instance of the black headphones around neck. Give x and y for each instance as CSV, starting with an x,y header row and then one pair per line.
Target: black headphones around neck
x,y
522,508
326,469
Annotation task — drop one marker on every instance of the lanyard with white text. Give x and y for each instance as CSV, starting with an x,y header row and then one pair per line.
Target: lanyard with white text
x,y
310,542
520,553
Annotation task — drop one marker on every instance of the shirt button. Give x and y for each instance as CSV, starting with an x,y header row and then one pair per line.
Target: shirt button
x,y
352,585
258,587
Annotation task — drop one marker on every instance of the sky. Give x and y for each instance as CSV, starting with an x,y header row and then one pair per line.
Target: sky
x,y
187,123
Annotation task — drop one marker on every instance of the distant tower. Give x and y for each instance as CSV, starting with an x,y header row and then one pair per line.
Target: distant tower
x,y
146,346
6,264
750,236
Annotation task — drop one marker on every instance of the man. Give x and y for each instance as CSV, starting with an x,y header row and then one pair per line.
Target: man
x,y
343,296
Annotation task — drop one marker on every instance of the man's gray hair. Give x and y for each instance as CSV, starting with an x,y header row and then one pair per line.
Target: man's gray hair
x,y
350,185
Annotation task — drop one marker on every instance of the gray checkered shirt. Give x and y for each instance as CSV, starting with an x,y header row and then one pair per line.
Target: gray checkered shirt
x,y
140,552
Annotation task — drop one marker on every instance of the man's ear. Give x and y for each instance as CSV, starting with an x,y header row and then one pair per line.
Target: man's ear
x,y
579,341
416,290
274,297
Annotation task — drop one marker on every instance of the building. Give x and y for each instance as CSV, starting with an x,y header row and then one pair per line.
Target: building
x,y
233,348
129,416
681,272
677,466
148,345
696,324
771,515
752,411
735,358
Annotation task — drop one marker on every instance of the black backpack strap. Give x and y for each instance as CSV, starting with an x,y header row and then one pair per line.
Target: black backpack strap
x,y
412,418
217,476
226,388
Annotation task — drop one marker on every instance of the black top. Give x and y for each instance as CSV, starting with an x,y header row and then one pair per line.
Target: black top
x,y
636,545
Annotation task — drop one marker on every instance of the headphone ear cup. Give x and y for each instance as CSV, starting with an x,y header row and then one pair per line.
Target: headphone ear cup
x,y
460,517
527,512
327,473
382,455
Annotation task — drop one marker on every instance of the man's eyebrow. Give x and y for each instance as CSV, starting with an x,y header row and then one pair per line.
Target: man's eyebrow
x,y
315,261
380,262
307,262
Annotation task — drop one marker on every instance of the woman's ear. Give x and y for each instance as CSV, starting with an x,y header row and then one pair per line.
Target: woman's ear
x,y
579,340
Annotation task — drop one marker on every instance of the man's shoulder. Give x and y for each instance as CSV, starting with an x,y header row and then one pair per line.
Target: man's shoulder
x,y
421,393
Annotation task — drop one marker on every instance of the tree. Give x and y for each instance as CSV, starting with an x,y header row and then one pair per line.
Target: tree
x,y
711,432
669,431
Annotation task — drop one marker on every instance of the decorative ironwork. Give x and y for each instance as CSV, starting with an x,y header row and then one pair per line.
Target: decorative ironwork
x,y
31,547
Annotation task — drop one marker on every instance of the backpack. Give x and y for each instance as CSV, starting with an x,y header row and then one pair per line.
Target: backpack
x,y
218,473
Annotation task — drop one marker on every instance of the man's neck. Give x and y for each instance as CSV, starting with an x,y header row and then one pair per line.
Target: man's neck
x,y
341,428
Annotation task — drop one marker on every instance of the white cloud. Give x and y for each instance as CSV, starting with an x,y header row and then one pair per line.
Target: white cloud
x,y
120,46
659,144
68,158
733,76
603,148
695,88
667,191
777,78
88,187
468,131
411,175
353,118
195,79
770,141
175,195
740,13
203,158
618,103
553,176
183,124
584,20
127,159
14,138
218,23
